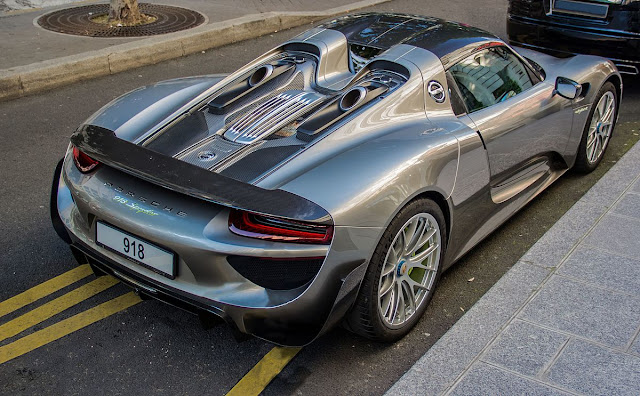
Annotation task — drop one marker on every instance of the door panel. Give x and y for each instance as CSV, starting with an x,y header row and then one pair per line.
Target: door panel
x,y
517,131
519,118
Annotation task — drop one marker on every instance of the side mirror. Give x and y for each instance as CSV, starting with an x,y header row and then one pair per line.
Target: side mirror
x,y
567,88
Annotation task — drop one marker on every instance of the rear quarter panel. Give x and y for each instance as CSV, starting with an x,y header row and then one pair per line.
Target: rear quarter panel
x,y
135,112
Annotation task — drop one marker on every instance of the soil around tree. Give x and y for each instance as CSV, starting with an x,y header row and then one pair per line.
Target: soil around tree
x,y
104,19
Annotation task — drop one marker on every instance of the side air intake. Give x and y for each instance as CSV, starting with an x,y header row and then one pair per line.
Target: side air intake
x,y
272,115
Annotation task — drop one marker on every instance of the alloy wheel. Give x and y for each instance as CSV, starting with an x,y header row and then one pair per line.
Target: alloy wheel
x,y
600,127
409,269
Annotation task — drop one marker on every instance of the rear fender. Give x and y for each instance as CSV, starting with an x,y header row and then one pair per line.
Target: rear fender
x,y
135,112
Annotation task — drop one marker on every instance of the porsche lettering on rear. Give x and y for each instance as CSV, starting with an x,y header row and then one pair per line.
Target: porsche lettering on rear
x,y
136,207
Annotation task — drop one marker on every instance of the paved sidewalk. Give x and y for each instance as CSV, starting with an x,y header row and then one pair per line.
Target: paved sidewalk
x,y
19,30
55,59
565,319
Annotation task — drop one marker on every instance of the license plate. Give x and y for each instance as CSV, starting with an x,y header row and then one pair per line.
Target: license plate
x,y
134,248
580,8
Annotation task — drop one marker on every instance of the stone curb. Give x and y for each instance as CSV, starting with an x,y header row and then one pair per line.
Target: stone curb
x,y
36,77
437,371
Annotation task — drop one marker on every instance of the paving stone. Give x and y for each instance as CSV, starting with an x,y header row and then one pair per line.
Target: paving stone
x,y
525,348
629,205
635,348
434,372
617,179
607,190
554,245
616,234
603,268
483,379
605,316
591,369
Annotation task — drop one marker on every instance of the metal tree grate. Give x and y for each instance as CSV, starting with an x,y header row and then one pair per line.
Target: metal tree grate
x,y
77,21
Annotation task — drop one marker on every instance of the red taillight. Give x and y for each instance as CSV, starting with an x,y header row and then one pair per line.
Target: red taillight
x,y
275,229
84,163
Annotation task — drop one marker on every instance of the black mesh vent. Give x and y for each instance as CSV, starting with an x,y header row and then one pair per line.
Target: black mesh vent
x,y
529,8
258,162
276,274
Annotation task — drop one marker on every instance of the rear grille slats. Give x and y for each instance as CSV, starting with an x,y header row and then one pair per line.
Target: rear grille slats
x,y
260,111
271,116
278,114
267,116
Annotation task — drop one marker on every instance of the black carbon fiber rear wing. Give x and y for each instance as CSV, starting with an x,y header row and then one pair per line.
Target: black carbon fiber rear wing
x,y
104,146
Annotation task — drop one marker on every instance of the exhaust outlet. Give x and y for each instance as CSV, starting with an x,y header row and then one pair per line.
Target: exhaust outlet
x,y
352,98
260,75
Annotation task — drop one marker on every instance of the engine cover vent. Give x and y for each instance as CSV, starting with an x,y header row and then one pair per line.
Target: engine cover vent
x,y
272,115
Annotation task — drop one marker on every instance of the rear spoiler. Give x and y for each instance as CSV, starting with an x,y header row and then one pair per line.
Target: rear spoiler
x,y
103,145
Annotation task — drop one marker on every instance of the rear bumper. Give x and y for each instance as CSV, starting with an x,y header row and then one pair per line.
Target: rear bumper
x,y
287,317
623,48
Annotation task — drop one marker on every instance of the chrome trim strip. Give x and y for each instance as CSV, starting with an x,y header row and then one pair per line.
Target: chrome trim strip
x,y
541,48
588,29
627,69
272,115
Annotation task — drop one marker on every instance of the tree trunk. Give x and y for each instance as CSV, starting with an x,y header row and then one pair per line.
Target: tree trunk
x,y
125,12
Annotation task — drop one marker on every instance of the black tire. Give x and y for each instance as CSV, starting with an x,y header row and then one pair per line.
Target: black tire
x,y
583,164
365,318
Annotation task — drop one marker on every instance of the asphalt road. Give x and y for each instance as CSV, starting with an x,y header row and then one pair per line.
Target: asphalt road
x,y
152,347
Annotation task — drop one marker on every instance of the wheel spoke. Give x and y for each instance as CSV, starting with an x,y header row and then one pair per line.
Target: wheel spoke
x,y
393,256
608,112
420,257
396,302
401,311
384,290
416,238
408,234
388,271
427,234
411,296
399,244
594,153
417,284
601,107
387,303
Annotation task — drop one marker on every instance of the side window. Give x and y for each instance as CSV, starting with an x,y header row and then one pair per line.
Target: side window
x,y
490,76
457,105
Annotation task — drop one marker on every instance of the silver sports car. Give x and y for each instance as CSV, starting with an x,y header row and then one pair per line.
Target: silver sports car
x,y
332,179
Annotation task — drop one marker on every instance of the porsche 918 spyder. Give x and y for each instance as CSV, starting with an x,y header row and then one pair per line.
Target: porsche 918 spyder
x,y
332,179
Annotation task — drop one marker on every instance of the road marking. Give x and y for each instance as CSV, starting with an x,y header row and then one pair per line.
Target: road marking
x,y
56,306
44,289
264,372
67,326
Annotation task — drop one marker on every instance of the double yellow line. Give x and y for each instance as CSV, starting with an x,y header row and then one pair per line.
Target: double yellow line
x,y
253,383
64,327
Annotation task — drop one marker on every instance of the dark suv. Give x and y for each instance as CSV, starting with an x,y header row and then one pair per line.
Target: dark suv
x,y
609,28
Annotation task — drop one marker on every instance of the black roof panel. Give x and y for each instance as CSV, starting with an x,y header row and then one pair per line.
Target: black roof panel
x,y
384,30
